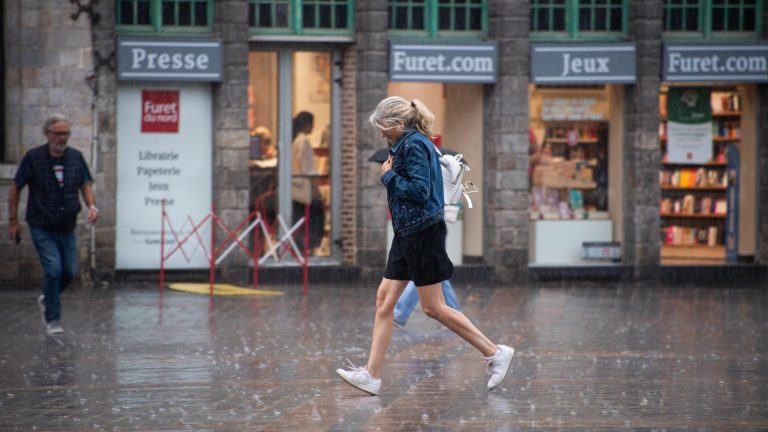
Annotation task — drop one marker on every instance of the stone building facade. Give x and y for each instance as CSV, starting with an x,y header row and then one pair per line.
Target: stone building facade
x,y
60,57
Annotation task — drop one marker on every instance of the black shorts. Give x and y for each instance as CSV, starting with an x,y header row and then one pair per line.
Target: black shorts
x,y
420,257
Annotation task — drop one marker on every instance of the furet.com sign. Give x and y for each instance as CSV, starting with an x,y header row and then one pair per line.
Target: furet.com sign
x,y
474,62
715,62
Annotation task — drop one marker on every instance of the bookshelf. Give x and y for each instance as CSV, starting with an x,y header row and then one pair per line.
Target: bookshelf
x,y
693,203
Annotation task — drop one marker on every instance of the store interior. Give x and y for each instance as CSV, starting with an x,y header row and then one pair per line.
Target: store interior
x,y
575,164
695,210
309,147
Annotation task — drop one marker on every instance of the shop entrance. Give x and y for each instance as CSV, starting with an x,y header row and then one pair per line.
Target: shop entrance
x,y
708,172
294,144
575,148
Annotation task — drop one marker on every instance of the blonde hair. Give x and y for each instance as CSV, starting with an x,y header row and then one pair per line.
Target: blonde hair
x,y
397,113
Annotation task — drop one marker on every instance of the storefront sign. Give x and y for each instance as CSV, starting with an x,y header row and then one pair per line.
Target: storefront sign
x,y
160,111
732,195
717,62
689,125
154,167
474,62
169,60
583,63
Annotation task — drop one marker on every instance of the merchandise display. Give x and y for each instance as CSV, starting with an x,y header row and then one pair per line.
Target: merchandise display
x,y
693,207
569,180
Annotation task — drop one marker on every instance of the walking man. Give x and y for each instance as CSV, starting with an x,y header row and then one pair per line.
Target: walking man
x,y
55,173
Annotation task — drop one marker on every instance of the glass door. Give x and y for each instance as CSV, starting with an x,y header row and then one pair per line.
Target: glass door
x,y
294,147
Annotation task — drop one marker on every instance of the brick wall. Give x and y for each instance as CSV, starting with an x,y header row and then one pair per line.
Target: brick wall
x,y
349,158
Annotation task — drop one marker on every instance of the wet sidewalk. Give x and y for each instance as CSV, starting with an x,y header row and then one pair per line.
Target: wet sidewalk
x,y
588,358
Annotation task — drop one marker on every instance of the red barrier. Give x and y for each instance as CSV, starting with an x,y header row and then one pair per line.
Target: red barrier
x,y
215,254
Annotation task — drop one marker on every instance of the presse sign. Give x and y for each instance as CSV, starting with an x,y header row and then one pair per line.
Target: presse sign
x,y
169,60
474,62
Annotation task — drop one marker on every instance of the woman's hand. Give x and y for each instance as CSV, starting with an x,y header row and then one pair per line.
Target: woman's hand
x,y
387,165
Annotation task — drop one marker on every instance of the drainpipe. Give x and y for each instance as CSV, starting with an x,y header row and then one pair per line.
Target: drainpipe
x,y
91,79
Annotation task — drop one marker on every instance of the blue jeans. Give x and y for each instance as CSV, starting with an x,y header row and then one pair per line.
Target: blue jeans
x,y
410,297
58,256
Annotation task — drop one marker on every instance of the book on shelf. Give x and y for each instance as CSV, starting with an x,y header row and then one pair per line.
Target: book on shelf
x,y
693,177
721,206
725,102
675,235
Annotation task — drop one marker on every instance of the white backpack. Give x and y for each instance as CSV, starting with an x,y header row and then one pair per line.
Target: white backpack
x,y
453,173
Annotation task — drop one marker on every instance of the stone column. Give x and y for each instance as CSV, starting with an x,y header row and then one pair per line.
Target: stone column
x,y
506,142
231,181
642,150
371,31
761,254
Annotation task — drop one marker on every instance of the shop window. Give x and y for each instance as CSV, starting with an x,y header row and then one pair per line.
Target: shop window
x,y
712,18
164,15
292,151
578,19
707,211
300,16
575,174
438,17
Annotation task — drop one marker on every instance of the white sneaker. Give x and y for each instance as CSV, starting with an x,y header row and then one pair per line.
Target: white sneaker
x,y
359,377
498,365
41,306
54,328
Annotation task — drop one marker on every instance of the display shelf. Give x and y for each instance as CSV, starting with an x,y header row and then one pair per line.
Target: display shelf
x,y
715,114
566,141
726,114
695,252
706,164
694,188
698,179
693,215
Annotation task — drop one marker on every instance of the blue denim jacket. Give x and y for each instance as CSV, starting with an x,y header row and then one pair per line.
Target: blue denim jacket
x,y
414,184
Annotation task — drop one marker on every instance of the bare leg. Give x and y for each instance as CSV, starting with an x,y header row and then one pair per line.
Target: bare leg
x,y
433,304
386,297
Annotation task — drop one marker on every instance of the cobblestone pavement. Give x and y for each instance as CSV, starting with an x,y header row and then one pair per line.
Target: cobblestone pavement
x,y
588,358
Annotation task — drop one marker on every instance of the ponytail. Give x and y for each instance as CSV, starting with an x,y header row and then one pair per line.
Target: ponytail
x,y
397,113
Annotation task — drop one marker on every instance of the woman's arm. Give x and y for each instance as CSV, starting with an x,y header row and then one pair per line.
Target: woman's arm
x,y
415,185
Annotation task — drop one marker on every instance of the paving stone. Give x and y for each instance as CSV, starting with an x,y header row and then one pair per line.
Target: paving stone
x,y
625,356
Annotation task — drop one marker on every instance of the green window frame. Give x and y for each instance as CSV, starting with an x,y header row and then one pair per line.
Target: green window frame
x,y
301,17
578,19
164,16
438,18
712,19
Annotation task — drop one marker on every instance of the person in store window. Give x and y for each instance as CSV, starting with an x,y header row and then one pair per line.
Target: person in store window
x,y
56,175
264,173
304,190
414,183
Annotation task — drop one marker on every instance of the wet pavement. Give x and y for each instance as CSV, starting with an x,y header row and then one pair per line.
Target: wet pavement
x,y
633,357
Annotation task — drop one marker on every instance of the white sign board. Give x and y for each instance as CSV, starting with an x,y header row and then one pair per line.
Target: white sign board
x,y
689,143
174,163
